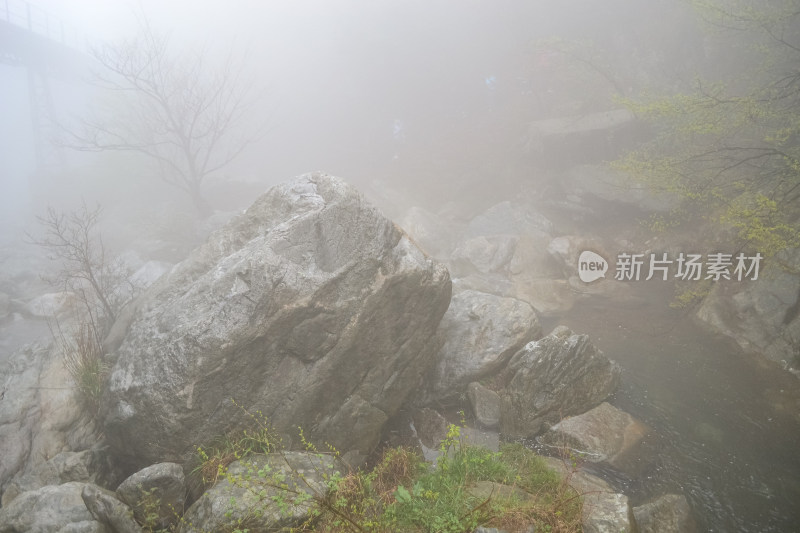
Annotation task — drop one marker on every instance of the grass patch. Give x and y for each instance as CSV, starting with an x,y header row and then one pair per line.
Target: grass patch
x,y
402,493
469,486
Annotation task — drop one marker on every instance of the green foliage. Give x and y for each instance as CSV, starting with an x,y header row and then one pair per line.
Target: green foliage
x,y
401,492
213,459
147,510
689,295
728,145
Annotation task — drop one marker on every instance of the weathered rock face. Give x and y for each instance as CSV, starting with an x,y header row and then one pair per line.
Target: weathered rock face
x,y
480,332
762,315
51,509
560,375
39,414
604,433
311,307
250,497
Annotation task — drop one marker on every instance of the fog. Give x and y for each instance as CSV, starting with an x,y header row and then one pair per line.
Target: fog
x,y
331,79
452,106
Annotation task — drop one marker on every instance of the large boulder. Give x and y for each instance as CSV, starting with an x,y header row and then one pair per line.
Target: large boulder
x,y
560,375
604,433
311,307
480,332
763,315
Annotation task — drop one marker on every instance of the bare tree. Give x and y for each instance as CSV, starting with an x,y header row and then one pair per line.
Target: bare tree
x,y
102,285
179,111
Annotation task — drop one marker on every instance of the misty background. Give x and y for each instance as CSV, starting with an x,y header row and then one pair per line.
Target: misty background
x,y
331,82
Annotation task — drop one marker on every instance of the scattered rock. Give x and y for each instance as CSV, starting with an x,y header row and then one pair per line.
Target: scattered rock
x,y
249,497
108,510
486,405
669,513
601,434
481,332
51,509
604,511
82,466
560,375
163,483
483,255
431,427
310,307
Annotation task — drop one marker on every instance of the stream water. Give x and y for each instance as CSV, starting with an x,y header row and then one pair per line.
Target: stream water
x,y
725,425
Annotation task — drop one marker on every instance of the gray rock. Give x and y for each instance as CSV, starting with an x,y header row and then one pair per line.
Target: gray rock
x,y
483,255
51,509
108,510
310,307
249,495
604,511
604,433
669,513
431,427
162,483
39,414
761,315
560,375
481,332
66,466
486,405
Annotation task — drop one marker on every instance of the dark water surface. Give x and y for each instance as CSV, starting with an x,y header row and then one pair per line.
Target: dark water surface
x,y
726,425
